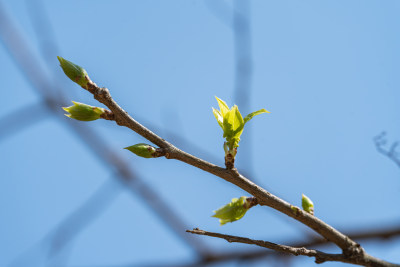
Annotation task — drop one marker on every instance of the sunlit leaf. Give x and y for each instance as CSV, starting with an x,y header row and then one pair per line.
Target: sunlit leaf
x,y
218,116
230,124
232,211
251,115
238,123
222,106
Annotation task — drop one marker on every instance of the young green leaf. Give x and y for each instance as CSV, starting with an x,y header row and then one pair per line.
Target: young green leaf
x,y
233,126
83,112
307,204
232,211
222,106
251,115
76,73
227,124
238,123
219,117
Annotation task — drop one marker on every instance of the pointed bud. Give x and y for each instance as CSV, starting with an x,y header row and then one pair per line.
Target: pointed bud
x,y
307,204
143,150
83,112
76,73
234,210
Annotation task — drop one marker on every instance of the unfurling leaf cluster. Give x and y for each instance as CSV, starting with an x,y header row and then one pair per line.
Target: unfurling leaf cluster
x,y
232,122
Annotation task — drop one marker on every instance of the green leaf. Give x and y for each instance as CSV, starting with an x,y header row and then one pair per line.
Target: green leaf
x,y
251,115
238,123
222,106
142,150
83,112
233,126
227,125
232,211
218,116
76,73
307,204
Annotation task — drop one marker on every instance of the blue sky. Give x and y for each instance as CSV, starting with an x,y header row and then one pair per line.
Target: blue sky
x,y
327,71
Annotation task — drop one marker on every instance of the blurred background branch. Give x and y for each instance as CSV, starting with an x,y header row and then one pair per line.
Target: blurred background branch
x,y
389,151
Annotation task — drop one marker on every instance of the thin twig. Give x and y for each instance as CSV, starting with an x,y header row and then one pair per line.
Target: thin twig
x,y
368,235
320,257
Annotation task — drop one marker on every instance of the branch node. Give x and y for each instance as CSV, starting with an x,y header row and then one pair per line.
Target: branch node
x,y
319,259
252,201
354,252
108,115
159,153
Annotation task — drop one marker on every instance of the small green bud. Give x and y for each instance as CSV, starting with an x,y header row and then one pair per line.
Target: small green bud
x,y
234,210
307,204
143,150
295,209
83,112
76,73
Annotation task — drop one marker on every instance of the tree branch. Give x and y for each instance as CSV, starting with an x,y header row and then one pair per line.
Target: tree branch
x,y
371,234
351,250
320,257
265,198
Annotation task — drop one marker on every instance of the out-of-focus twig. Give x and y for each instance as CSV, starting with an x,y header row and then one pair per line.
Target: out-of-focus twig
x,y
21,119
243,54
87,213
57,239
243,74
391,152
237,18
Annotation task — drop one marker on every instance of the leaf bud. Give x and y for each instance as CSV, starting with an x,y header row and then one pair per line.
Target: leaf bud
x,y
83,112
76,73
143,150
307,204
